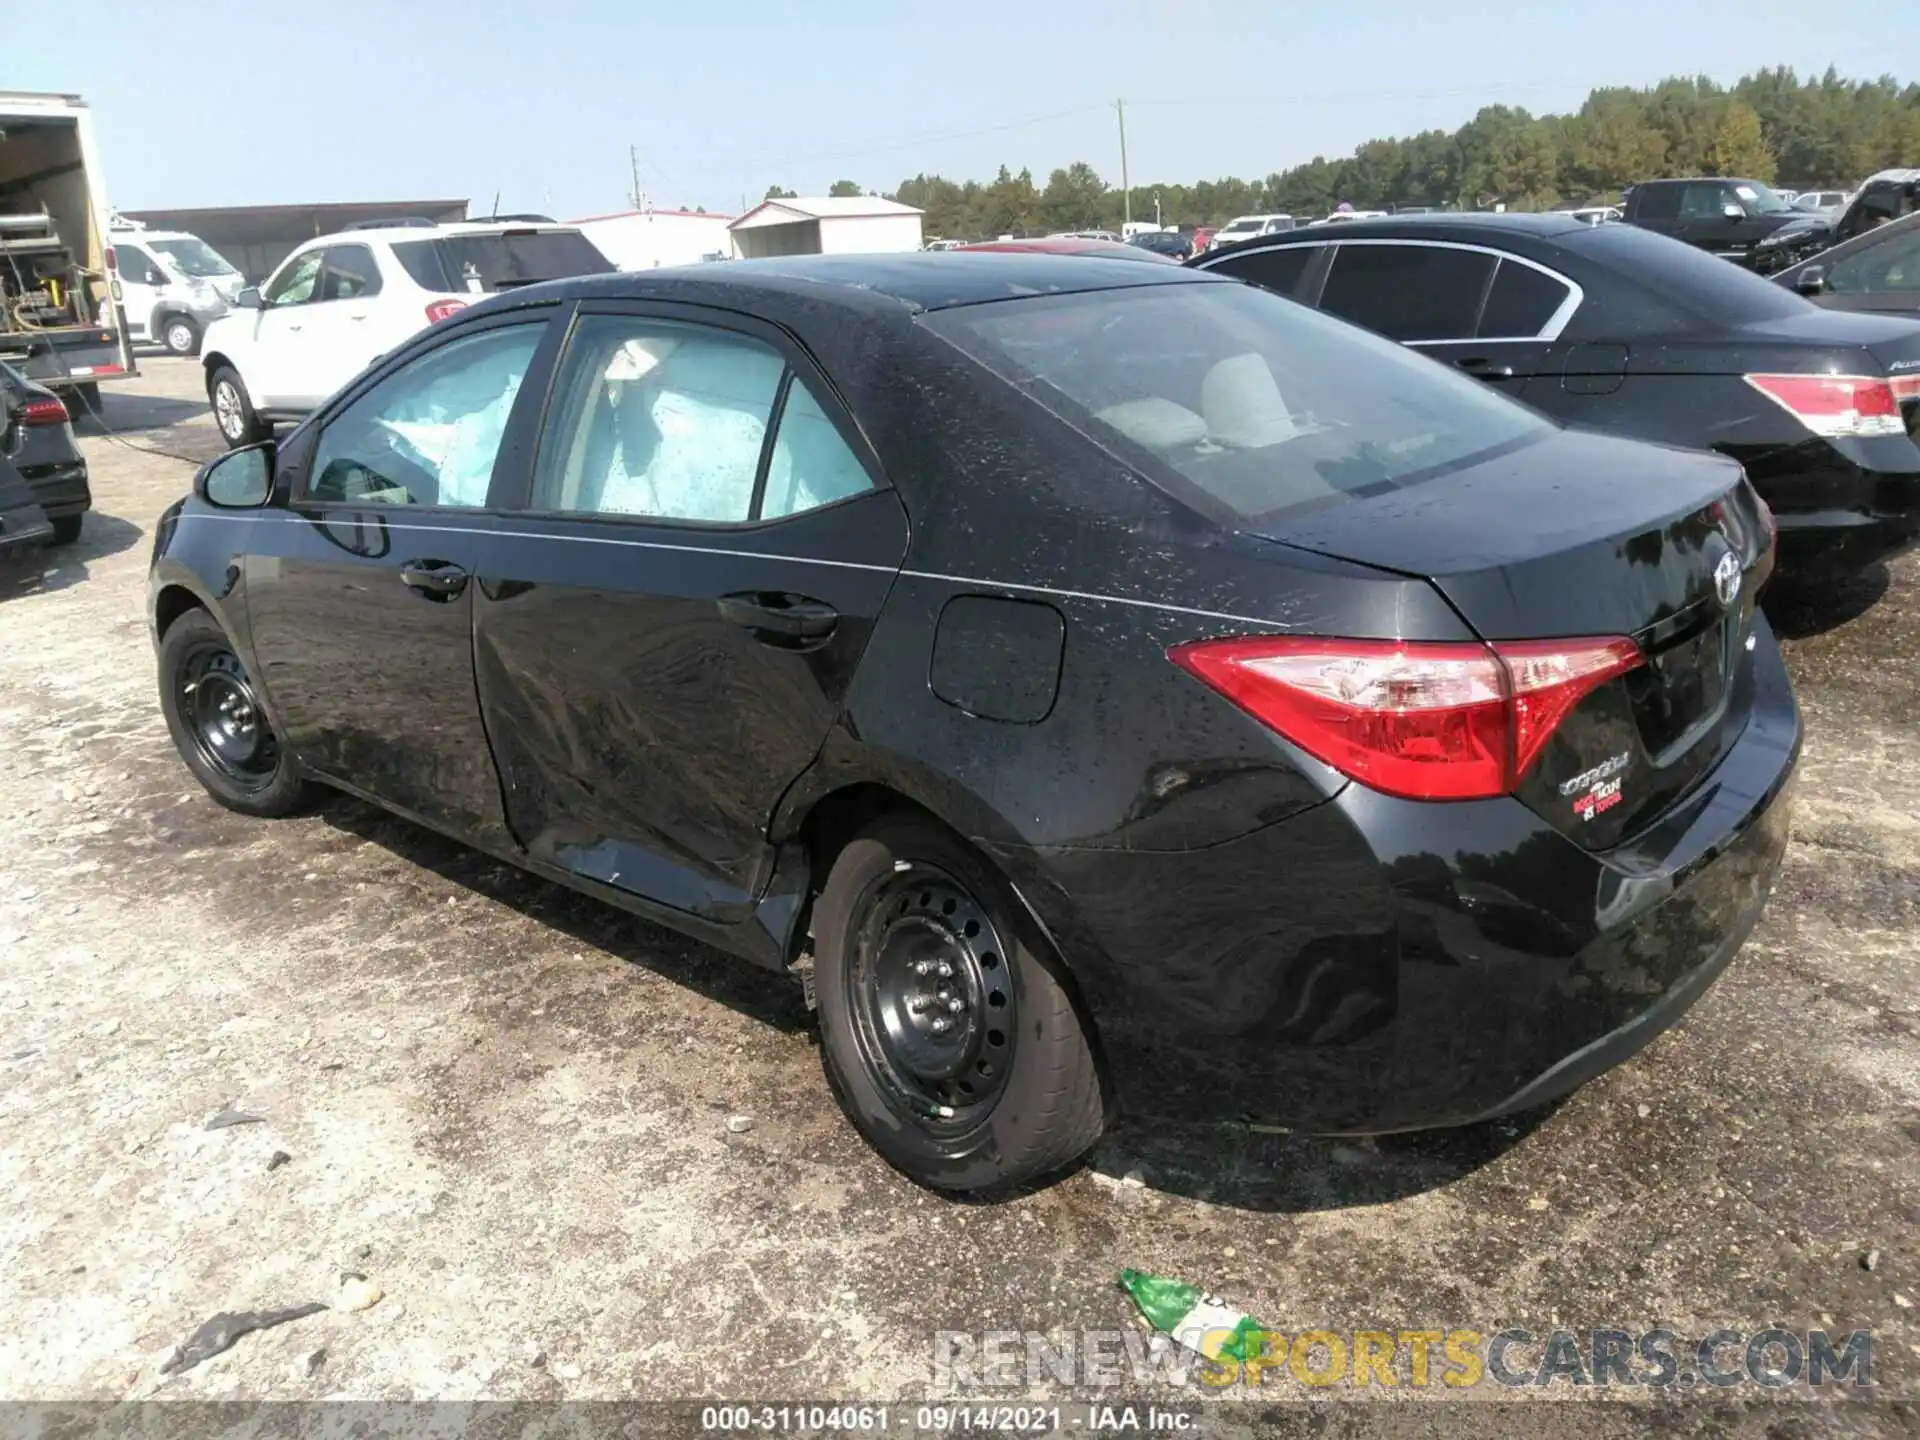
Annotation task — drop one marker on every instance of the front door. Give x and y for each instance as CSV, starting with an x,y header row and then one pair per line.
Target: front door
x,y
278,357
340,338
361,594
664,643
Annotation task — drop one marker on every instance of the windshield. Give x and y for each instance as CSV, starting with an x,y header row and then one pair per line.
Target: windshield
x,y
194,258
482,262
1759,200
1262,405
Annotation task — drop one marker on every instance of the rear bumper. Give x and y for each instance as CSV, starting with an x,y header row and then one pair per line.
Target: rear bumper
x,y
1378,964
1834,513
22,530
61,490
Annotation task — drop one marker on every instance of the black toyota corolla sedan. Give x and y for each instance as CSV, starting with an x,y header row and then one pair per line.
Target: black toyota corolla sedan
x,y
1630,332
1100,683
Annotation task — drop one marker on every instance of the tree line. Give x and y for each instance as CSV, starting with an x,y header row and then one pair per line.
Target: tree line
x,y
1822,133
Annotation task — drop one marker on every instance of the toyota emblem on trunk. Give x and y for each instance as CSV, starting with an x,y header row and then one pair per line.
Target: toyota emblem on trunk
x,y
1726,579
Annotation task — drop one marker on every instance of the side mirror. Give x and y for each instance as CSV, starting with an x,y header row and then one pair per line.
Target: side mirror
x,y
238,480
1733,211
248,299
1812,280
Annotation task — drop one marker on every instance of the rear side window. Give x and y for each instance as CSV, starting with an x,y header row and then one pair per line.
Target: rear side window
x,y
484,263
351,273
1705,201
1408,292
1236,398
1892,266
1683,277
1278,270
1657,202
1521,302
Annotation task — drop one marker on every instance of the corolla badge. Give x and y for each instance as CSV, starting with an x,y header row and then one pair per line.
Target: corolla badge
x,y
1726,579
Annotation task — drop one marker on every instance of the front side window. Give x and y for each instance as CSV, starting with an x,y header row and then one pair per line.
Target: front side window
x,y
428,433
1262,405
1408,292
1891,266
1705,201
351,273
296,281
135,266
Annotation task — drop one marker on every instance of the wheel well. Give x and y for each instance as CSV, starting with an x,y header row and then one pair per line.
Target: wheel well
x,y
836,818
211,363
171,604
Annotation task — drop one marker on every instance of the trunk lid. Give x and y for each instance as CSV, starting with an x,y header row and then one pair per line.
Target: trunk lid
x,y
1589,536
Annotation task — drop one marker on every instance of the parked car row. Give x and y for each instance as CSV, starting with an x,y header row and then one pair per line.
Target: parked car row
x,y
1622,330
1099,682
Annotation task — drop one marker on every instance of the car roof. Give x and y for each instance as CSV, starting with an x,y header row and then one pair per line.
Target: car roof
x,y
1435,226
391,233
915,280
1065,245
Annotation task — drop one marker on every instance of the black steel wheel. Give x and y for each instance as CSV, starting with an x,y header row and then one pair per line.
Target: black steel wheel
x,y
219,725
931,997
948,1031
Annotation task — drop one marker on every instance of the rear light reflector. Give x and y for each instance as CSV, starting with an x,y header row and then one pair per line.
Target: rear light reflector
x,y
43,411
441,309
1836,406
1422,721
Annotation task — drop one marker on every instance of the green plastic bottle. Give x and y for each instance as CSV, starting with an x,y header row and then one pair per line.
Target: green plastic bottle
x,y
1197,1320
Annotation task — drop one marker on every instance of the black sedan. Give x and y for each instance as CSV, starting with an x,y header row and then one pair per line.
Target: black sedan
x,y
1102,683
1625,331
36,437
24,527
1170,243
1876,272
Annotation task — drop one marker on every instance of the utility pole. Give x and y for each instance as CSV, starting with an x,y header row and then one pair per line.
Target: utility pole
x,y
633,164
1126,188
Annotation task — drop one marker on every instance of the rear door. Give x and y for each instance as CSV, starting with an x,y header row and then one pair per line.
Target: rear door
x,y
666,638
361,593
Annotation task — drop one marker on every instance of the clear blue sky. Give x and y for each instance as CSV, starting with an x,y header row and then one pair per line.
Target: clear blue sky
x,y
230,102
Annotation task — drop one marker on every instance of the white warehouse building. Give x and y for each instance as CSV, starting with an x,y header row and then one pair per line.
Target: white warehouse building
x,y
826,225
648,239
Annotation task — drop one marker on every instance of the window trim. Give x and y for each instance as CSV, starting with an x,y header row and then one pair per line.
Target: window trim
x,y
799,365
538,377
1548,334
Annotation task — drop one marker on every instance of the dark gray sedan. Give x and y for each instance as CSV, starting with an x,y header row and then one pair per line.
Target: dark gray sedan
x,y
1877,271
38,442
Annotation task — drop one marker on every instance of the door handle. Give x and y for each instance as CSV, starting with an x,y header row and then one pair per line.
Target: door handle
x,y
435,579
778,617
1481,368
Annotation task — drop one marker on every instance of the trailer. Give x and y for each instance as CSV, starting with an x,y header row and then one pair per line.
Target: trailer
x,y
62,323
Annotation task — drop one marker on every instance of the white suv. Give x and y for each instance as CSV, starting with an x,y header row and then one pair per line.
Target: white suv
x,y
338,303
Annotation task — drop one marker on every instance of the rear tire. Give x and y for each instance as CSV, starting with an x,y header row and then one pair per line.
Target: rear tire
x,y
180,335
218,725
979,1078
233,411
66,529
82,400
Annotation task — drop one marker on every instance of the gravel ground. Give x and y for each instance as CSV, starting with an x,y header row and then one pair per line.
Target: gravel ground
x,y
508,1107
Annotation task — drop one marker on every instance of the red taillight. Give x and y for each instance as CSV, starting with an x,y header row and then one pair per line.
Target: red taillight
x,y
1837,406
441,309
1906,387
44,411
1427,722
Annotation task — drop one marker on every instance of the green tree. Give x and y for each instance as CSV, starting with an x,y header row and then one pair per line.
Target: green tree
x,y
844,188
1074,198
1737,147
774,192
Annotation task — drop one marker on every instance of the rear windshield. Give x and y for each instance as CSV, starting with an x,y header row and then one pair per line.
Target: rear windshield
x,y
485,263
1263,405
1682,275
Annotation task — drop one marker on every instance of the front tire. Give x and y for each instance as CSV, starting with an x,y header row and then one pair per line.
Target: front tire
x,y
180,335
948,1038
233,410
218,724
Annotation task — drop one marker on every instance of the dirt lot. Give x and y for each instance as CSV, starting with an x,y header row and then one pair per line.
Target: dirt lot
x,y
507,1105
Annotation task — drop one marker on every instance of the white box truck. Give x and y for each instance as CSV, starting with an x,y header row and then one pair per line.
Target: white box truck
x,y
61,321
